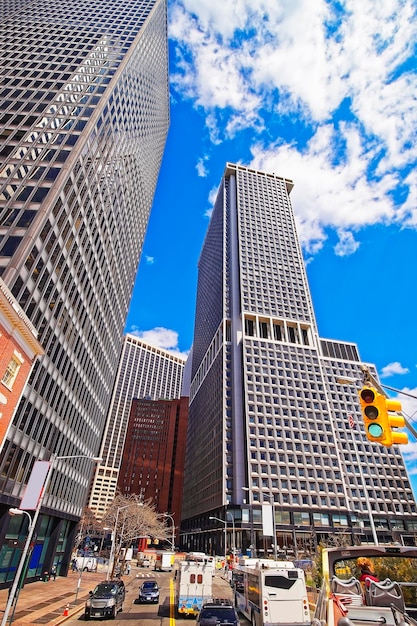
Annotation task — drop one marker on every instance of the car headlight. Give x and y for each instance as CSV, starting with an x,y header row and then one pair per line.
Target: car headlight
x,y
88,603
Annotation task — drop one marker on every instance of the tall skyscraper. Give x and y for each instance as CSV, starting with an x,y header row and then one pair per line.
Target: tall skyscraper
x,y
268,422
144,372
84,119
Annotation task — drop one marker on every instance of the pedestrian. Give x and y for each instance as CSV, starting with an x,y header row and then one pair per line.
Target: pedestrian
x,y
128,569
53,572
74,565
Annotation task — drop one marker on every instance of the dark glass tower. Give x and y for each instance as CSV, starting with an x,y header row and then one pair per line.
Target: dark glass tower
x,y
268,421
84,118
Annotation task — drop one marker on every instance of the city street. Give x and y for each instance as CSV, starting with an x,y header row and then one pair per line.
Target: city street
x,y
157,614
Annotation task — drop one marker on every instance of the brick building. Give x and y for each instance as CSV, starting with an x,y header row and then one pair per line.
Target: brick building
x,y
19,348
153,456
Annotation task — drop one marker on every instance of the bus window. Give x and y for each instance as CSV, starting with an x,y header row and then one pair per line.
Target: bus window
x,y
279,582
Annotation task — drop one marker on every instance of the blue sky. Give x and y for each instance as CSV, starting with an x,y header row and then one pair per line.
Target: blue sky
x,y
320,92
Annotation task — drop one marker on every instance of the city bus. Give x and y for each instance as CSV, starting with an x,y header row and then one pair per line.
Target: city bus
x,y
270,592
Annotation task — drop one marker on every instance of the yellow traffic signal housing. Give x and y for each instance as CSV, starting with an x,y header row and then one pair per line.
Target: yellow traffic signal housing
x,y
375,415
378,422
396,421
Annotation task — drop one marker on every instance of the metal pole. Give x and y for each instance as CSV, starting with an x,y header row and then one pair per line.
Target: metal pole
x,y
274,526
113,543
252,527
234,533
225,536
172,529
274,523
365,489
32,527
14,596
26,547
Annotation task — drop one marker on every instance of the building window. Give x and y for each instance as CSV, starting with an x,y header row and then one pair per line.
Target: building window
x,y
12,370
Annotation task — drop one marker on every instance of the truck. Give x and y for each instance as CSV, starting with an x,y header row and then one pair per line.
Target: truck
x,y
86,563
194,585
164,561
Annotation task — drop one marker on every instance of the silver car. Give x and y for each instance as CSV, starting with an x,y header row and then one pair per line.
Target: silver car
x,y
149,591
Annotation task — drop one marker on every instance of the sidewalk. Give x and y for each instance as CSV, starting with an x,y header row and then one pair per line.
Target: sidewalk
x,y
45,602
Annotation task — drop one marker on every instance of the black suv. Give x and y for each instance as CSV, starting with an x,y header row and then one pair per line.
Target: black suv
x,y
218,612
106,600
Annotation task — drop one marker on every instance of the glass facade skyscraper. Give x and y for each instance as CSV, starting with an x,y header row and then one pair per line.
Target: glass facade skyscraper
x,y
268,421
84,119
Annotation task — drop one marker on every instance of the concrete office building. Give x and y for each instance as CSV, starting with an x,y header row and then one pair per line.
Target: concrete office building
x,y
268,422
84,119
144,372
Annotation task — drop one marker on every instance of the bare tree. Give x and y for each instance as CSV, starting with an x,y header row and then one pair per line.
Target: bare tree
x,y
132,518
88,525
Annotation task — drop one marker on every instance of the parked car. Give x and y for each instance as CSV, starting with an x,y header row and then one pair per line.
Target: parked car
x,y
106,600
146,563
149,591
218,612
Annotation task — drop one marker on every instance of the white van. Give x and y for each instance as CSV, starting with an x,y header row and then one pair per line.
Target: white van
x,y
86,563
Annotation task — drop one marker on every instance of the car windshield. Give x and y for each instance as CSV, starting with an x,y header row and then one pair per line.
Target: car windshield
x,y
105,590
218,614
149,585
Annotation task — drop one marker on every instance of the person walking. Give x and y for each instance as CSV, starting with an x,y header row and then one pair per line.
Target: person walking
x,y
53,572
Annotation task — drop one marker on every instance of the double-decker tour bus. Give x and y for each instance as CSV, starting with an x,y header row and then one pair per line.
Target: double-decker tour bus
x,y
271,592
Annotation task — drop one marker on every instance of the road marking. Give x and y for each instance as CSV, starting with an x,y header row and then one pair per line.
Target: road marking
x,y
171,603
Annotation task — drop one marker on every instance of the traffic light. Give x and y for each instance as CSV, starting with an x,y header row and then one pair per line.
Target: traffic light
x,y
378,422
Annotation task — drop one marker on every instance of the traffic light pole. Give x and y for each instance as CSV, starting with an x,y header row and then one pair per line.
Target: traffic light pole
x,y
365,491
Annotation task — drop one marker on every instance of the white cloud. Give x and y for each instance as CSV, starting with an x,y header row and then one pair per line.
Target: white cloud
x,y
393,368
346,244
201,167
160,338
150,260
326,194
303,62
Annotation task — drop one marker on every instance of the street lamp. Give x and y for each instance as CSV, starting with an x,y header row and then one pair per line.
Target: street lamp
x,y
32,526
234,533
15,511
225,536
173,529
103,538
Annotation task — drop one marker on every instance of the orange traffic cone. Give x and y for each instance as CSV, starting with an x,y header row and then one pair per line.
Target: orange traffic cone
x,y
66,611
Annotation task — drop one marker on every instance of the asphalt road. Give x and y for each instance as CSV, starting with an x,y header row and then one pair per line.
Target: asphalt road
x,y
155,614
